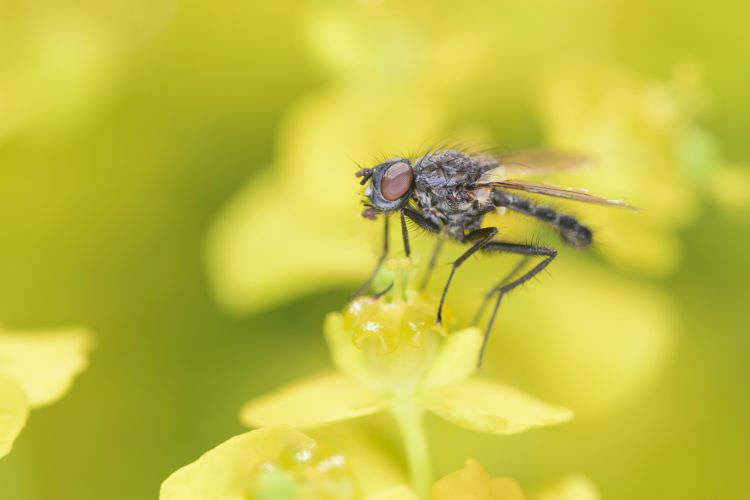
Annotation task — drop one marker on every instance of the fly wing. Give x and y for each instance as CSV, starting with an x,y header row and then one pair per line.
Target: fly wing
x,y
554,191
533,162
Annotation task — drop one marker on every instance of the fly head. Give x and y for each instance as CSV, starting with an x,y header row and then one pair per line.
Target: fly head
x,y
391,185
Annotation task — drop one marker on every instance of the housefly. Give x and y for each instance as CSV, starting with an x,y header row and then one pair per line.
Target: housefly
x,y
448,192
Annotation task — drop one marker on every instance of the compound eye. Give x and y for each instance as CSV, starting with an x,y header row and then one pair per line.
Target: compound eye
x,y
396,181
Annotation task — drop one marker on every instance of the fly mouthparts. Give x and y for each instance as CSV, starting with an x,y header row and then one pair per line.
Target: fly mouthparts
x,y
365,173
370,213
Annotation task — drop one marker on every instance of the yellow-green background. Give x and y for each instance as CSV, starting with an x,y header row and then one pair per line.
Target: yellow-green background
x,y
126,126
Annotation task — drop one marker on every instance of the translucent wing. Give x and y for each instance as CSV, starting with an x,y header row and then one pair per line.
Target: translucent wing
x,y
554,191
534,162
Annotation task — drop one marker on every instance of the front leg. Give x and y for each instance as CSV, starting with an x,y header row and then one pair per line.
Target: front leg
x,y
405,212
427,225
405,233
381,259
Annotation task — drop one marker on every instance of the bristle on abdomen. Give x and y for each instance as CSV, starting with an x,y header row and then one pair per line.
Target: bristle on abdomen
x,y
571,231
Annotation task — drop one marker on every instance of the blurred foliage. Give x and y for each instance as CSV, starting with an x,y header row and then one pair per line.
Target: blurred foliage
x,y
126,128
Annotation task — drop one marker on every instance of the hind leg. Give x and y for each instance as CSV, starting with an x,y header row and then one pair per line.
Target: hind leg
x,y
433,260
503,287
486,300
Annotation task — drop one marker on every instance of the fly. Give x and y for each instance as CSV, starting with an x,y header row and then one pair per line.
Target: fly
x,y
448,192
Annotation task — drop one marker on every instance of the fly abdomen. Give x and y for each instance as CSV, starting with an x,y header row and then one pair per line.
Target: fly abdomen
x,y
571,231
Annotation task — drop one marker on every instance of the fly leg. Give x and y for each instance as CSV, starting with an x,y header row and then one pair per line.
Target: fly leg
x,y
379,263
430,226
486,300
527,250
420,220
484,235
417,218
405,234
433,260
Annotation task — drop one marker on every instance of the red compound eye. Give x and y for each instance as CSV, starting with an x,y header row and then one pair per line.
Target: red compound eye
x,y
396,181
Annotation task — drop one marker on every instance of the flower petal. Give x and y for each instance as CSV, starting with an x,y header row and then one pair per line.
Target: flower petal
x,y
574,487
486,406
14,409
456,360
44,363
224,472
349,359
312,402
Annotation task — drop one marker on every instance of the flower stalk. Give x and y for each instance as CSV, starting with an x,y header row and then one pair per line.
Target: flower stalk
x,y
410,420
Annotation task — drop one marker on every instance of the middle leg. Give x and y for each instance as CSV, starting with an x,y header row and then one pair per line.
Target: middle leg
x,y
483,235
433,260
507,278
363,288
426,224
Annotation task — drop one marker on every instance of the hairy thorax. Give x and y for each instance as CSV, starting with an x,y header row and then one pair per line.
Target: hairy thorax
x,y
443,190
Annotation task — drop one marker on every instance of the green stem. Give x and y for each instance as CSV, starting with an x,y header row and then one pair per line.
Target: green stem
x,y
410,420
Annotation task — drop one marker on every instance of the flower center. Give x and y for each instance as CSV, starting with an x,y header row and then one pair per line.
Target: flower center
x,y
306,472
397,332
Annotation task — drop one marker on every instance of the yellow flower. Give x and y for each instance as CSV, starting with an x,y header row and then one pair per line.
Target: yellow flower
x,y
267,463
391,356
434,371
36,369
281,463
